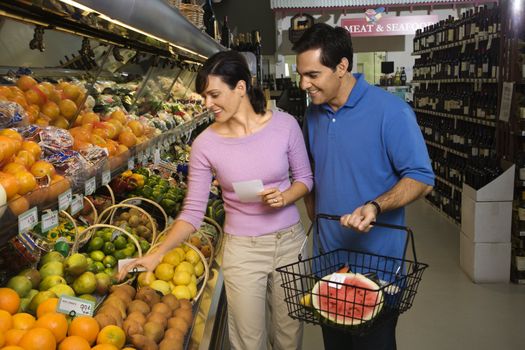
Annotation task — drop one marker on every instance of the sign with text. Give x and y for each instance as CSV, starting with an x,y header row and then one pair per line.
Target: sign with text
x,y
393,25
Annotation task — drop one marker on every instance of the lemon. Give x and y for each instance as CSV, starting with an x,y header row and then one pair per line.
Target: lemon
x,y
181,252
181,278
181,292
192,257
185,266
194,278
172,258
199,269
161,286
164,272
146,278
306,300
193,289
185,248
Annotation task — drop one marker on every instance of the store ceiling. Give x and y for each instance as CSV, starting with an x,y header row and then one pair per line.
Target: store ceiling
x,y
342,4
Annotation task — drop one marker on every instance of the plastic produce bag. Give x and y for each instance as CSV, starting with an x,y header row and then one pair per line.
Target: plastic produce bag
x,y
12,115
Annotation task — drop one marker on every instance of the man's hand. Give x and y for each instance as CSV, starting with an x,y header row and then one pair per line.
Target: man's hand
x,y
360,219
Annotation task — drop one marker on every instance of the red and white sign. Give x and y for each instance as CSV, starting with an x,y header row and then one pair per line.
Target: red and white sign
x,y
402,25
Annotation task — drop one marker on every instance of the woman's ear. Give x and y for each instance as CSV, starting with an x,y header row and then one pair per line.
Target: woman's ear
x,y
241,87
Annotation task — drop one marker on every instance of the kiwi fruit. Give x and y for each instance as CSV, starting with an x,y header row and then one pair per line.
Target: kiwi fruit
x,y
158,318
154,331
139,305
163,309
178,323
186,315
137,316
172,301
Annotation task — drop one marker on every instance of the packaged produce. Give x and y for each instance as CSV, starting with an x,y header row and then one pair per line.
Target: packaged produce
x,y
12,115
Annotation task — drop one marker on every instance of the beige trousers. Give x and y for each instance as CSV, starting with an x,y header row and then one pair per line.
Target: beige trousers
x,y
257,313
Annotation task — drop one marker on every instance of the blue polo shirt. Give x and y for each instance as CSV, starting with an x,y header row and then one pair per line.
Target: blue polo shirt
x,y
358,153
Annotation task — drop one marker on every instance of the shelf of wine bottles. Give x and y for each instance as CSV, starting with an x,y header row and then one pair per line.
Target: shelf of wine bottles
x,y
458,43
455,116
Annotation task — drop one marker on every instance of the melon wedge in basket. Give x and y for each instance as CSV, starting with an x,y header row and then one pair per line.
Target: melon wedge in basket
x,y
347,299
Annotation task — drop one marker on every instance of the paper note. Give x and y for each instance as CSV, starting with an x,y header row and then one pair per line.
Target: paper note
x,y
248,191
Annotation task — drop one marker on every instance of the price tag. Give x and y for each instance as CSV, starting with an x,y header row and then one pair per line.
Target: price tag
x,y
106,177
77,204
64,200
131,163
477,43
156,156
49,220
489,43
463,47
134,202
73,306
124,262
27,220
90,186
338,278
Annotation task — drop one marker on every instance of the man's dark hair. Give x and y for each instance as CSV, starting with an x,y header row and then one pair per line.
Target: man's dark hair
x,y
335,43
231,67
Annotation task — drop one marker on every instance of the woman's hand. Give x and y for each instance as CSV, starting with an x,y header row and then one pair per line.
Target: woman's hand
x,y
149,262
273,198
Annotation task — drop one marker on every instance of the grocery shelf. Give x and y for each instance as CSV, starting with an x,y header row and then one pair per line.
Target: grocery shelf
x,y
456,81
446,182
456,44
116,165
457,116
453,151
445,215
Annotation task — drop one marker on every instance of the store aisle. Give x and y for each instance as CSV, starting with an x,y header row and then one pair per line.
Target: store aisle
x,y
451,312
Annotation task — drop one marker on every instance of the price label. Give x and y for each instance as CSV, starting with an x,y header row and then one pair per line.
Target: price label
x,y
64,200
124,262
338,278
90,186
463,47
106,177
49,220
134,201
27,220
73,306
489,43
131,163
77,204
156,156
477,43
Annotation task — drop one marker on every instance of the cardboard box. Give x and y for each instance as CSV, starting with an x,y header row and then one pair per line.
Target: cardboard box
x,y
500,189
486,221
485,262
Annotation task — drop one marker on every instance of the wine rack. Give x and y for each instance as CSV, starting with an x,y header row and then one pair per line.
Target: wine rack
x,y
456,82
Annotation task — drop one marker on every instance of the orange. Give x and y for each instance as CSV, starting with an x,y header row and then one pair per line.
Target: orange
x,y
33,97
23,321
13,168
42,168
127,138
113,335
71,91
56,323
18,205
136,127
12,347
101,131
13,336
13,135
51,109
38,339
119,115
20,99
86,327
90,118
2,339
42,120
98,140
26,182
121,149
79,145
25,158
74,343
47,306
68,108
7,147
9,300
61,123
32,112
104,347
118,125
32,147
80,134
6,321
79,101
9,183
25,82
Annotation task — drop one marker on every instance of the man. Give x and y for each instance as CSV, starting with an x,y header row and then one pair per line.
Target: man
x,y
369,160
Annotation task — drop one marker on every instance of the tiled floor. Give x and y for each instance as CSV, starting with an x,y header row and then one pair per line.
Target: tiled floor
x,y
450,312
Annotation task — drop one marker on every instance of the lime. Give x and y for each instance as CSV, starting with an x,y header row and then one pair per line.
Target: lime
x,y
109,248
109,271
97,255
109,261
120,254
120,242
144,245
62,247
107,235
96,243
100,266
131,247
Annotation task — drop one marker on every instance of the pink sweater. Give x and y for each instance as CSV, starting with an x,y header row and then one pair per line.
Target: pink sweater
x,y
269,155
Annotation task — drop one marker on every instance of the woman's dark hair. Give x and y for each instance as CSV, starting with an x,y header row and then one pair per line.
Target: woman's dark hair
x,y
231,67
335,43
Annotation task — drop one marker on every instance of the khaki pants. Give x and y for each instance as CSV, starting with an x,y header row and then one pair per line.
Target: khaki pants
x,y
257,313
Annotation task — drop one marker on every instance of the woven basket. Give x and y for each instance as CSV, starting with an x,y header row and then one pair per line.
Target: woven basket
x,y
194,13
174,3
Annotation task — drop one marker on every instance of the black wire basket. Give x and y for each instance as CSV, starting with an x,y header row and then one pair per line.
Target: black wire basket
x,y
350,290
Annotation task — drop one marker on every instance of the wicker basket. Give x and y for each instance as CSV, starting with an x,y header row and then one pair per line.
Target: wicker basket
x,y
174,3
194,13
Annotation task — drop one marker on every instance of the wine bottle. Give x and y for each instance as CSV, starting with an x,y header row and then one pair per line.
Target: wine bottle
x,y
225,33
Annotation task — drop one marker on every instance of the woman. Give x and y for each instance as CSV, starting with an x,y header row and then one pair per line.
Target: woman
x,y
246,143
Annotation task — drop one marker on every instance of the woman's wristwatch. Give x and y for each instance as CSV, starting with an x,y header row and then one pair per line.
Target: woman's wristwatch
x,y
376,205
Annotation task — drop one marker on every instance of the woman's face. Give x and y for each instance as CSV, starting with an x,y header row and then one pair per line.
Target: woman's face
x,y
221,100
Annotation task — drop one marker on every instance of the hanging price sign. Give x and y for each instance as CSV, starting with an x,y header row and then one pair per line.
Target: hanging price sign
x,y
64,200
27,220
77,204
90,186
73,306
49,220
106,177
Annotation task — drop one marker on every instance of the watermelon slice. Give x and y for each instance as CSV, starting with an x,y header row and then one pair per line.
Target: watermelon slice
x,y
354,300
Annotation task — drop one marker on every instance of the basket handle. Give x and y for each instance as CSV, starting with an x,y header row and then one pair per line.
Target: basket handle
x,y
410,233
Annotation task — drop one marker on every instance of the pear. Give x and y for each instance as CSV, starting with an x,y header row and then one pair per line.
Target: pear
x,y
76,264
51,269
51,281
103,283
33,275
20,284
51,256
86,283
39,299
62,289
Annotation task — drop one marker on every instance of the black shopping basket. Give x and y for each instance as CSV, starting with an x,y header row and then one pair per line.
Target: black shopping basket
x,y
351,290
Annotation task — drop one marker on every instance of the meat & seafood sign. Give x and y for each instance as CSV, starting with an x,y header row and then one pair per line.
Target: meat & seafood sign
x,y
374,24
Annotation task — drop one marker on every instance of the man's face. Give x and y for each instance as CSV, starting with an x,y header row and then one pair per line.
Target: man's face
x,y
320,82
